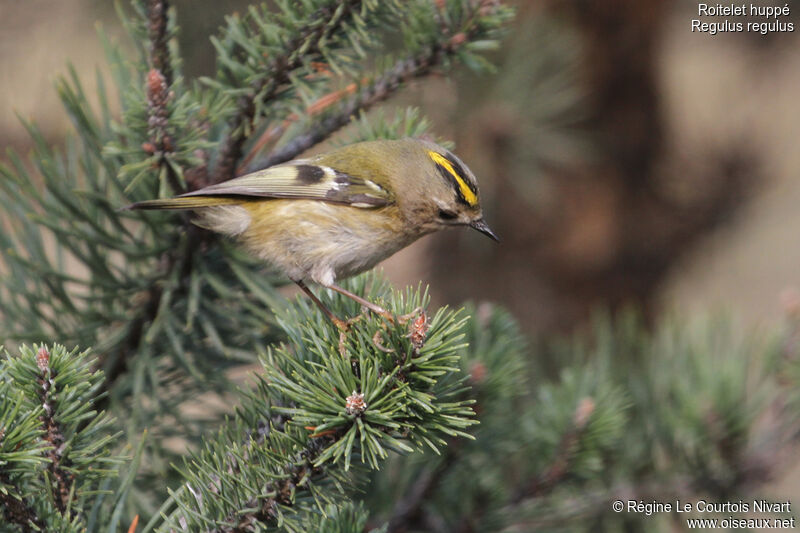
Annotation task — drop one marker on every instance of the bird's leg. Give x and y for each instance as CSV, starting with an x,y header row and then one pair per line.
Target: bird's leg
x,y
366,303
338,322
344,325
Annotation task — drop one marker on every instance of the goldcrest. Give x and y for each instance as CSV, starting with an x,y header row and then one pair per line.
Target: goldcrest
x,y
340,213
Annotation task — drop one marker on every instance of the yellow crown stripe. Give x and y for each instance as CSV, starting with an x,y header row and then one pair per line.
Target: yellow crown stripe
x,y
470,197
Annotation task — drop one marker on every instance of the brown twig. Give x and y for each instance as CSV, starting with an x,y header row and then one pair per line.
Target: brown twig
x,y
272,134
325,22
370,94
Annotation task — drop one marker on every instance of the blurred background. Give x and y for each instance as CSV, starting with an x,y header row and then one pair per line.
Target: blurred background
x,y
623,159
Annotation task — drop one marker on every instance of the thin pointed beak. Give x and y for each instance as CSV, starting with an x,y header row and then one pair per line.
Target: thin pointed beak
x,y
484,228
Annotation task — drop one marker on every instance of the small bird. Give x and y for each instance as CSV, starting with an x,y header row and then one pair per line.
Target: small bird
x,y
340,213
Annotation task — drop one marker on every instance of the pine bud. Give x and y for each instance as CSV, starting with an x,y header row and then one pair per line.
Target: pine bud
x,y
355,404
43,360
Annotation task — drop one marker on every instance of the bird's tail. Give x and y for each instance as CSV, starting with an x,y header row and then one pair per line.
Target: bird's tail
x,y
183,202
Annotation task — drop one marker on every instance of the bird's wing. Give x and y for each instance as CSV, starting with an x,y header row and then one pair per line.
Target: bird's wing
x,y
297,180
302,181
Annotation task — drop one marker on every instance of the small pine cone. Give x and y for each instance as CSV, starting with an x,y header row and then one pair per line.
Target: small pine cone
x,y
355,404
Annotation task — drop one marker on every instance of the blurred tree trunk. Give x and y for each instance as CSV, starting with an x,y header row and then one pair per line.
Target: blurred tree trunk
x,y
606,227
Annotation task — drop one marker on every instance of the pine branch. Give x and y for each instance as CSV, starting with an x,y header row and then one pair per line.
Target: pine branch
x,y
396,388
408,510
386,84
53,435
560,464
157,31
54,448
494,362
271,134
307,43
149,303
177,259
294,472
373,93
115,363
159,81
161,142
16,510
325,21
20,445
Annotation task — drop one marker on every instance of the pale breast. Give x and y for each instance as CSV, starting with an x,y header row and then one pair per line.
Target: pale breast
x,y
320,241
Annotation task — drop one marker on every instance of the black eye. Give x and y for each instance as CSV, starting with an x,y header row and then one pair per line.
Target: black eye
x,y
444,214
